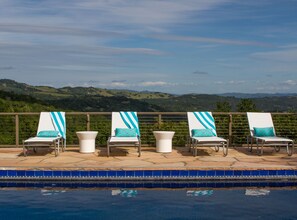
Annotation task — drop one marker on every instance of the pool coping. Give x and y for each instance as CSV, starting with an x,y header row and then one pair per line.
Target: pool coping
x,y
147,175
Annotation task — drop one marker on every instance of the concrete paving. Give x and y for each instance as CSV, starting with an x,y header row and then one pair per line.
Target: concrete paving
x,y
126,159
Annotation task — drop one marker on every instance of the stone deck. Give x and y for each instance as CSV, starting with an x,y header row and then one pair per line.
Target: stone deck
x,y
126,159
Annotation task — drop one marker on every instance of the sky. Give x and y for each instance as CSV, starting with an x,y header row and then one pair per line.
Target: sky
x,y
172,46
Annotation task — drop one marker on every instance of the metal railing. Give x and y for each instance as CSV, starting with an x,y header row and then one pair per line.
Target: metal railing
x,y
16,127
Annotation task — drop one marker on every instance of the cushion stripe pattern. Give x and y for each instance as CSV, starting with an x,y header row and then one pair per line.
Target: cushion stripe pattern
x,y
206,120
131,121
59,123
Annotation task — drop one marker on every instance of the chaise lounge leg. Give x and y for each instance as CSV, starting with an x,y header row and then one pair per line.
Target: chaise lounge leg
x,y
225,148
139,149
290,153
107,149
25,150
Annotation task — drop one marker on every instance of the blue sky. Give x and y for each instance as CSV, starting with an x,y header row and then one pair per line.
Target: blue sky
x,y
174,46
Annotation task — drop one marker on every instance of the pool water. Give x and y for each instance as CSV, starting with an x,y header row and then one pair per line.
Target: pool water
x,y
54,203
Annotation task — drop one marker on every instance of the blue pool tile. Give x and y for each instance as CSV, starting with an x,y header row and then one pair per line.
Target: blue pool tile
x,y
174,173
203,185
201,173
130,185
157,185
220,173
66,173
75,173
130,173
57,173
138,173
38,173
246,172
121,173
47,173
211,185
229,173
20,173
84,173
263,172
157,173
166,185
112,185
30,173
102,174
191,185
291,172
93,173
272,172
237,172
220,185
112,173
281,172
139,185
3,173
255,173
184,173
147,173
175,185
193,173
210,173
166,173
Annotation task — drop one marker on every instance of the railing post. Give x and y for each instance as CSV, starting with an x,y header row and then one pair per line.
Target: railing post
x,y
230,130
88,121
17,129
159,120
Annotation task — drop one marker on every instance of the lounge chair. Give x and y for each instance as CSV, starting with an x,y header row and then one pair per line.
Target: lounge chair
x,y
263,133
124,131
202,131
51,132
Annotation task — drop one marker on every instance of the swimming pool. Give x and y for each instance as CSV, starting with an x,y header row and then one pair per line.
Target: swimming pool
x,y
148,203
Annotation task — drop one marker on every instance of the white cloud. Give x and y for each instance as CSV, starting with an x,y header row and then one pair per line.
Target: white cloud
x,y
55,30
157,83
289,54
149,13
210,40
119,84
290,82
236,82
231,82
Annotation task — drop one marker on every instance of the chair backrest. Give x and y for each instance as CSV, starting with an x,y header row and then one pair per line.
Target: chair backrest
x,y
124,120
52,121
201,120
259,120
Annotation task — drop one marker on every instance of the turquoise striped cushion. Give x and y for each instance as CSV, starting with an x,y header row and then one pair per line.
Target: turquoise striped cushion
x,y
264,132
202,133
125,132
47,134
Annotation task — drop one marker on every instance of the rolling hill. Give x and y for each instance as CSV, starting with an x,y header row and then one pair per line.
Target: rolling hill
x,y
97,99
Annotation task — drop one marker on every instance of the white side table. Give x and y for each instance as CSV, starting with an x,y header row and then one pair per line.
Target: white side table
x,y
164,141
86,141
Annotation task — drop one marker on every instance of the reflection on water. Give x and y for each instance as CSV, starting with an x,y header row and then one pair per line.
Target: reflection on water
x,y
124,192
257,192
140,203
199,192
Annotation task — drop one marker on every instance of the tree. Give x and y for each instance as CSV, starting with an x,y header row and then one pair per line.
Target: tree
x,y
223,107
246,105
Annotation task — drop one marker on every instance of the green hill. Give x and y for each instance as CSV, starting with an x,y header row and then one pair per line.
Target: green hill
x,y
97,99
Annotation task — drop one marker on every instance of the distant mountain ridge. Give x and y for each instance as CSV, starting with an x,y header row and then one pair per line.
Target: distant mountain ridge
x,y
97,99
256,95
